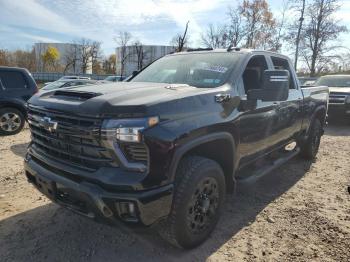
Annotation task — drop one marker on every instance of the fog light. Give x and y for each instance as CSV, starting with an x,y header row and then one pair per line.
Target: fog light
x,y
127,211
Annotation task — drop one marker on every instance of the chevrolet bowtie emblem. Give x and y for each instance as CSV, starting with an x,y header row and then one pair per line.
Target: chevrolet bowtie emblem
x,y
48,124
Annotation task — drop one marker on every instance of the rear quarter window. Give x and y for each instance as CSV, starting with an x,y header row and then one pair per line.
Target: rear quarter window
x,y
12,80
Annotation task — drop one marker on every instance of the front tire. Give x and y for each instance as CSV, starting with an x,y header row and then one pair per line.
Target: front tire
x,y
197,204
11,121
310,147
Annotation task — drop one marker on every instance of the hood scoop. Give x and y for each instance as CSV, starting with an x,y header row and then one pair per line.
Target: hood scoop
x,y
75,95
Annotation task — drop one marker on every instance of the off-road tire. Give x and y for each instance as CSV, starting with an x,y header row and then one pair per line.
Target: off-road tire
x,y
309,148
20,120
193,172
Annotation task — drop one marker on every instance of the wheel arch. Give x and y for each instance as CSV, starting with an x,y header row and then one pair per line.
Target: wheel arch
x,y
14,104
220,147
321,114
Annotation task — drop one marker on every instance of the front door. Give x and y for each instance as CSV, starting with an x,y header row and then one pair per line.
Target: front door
x,y
257,125
289,112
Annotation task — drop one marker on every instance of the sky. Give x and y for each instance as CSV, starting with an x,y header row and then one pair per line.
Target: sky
x,y
25,22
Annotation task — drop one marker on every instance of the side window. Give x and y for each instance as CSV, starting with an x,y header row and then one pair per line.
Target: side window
x,y
12,80
252,75
282,64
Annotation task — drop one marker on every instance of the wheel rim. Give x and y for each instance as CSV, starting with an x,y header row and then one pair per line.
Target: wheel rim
x,y
10,122
203,206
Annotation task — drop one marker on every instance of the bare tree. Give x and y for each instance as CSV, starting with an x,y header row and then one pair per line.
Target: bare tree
x,y
180,41
4,57
258,21
280,27
19,58
321,30
215,37
89,53
109,64
71,58
140,54
122,40
236,29
301,9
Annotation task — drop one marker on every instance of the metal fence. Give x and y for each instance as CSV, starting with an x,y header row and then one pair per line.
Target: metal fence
x,y
48,77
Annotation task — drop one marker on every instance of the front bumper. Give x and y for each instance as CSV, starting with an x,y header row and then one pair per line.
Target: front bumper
x,y
88,199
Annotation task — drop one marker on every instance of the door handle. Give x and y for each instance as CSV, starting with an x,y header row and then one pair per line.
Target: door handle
x,y
220,98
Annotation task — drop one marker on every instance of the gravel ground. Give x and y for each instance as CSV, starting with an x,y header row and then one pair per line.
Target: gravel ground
x,y
298,212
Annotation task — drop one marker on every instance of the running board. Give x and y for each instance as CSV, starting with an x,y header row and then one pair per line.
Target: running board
x,y
262,171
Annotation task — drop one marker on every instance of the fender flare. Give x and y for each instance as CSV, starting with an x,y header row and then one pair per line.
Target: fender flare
x,y
183,149
313,116
14,103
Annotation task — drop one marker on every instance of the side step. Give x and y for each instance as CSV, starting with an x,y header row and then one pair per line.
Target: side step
x,y
253,174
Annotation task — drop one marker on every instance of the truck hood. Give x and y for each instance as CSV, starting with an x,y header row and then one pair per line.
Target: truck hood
x,y
339,89
126,99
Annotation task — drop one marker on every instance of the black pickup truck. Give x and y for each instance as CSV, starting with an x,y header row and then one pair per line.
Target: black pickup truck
x,y
165,147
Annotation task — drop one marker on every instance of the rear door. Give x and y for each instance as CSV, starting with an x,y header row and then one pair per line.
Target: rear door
x,y
14,85
290,111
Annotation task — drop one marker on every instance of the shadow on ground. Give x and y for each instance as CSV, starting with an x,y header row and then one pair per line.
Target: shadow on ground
x,y
19,149
338,127
55,234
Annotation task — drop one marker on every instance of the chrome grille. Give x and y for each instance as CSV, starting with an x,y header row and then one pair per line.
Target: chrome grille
x,y
335,98
75,140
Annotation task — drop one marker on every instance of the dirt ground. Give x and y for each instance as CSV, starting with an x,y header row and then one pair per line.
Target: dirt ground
x,y
298,212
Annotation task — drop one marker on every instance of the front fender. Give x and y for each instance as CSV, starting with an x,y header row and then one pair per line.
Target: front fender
x,y
188,146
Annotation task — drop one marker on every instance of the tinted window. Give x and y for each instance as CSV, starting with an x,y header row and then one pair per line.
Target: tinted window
x,y
12,80
252,76
199,70
282,64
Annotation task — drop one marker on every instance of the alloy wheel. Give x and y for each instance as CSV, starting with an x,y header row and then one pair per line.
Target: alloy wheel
x,y
203,206
10,122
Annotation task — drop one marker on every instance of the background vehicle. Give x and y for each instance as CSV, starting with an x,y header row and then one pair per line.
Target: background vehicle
x,y
113,78
307,80
74,77
309,83
16,87
166,146
339,97
67,83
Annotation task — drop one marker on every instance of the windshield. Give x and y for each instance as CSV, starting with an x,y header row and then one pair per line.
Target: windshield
x,y
334,81
54,85
199,70
112,78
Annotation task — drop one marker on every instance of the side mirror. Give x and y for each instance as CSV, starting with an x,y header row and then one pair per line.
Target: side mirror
x,y
275,87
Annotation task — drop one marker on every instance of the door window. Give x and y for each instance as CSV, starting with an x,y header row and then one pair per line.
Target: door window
x,y
253,73
283,64
12,80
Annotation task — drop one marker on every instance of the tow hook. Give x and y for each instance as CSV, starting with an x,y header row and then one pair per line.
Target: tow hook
x,y
95,195
106,211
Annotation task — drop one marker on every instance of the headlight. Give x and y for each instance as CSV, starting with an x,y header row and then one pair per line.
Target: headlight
x,y
128,130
